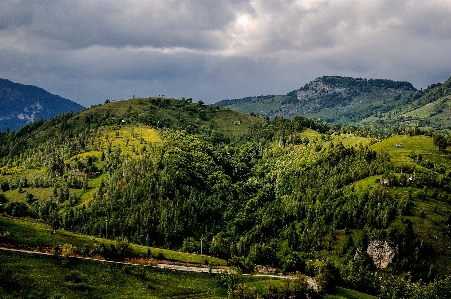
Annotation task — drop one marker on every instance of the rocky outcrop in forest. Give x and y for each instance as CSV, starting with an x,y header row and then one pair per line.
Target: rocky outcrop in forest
x,y
381,253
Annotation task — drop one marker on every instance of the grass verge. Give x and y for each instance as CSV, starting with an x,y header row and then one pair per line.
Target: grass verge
x,y
27,233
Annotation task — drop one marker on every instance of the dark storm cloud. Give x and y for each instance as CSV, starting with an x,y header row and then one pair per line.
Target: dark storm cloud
x,y
160,24
91,50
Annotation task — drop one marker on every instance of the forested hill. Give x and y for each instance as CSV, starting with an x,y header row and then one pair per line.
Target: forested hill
x,y
158,113
347,100
344,205
23,104
331,98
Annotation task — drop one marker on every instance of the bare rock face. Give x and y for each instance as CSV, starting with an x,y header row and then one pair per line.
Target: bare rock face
x,y
381,253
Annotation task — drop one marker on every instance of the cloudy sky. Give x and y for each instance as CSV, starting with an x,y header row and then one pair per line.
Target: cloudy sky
x,y
88,51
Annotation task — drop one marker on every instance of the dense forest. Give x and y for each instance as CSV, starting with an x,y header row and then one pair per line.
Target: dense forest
x,y
296,194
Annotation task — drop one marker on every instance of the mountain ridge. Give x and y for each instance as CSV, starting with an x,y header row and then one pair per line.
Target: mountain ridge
x,y
23,104
343,100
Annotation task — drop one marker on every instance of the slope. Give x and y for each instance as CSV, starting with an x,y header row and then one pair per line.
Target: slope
x,y
428,109
23,104
295,194
334,99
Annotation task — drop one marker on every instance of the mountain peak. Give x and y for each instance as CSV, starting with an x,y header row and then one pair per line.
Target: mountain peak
x,y
22,104
339,99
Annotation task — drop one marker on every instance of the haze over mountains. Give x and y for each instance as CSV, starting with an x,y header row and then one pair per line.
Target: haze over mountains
x,y
23,104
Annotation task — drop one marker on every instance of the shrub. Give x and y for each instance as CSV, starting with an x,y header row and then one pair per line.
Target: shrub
x,y
242,291
3,199
74,276
190,245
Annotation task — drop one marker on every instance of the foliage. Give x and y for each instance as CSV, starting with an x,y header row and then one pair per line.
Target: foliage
x,y
241,291
296,288
441,142
296,194
402,288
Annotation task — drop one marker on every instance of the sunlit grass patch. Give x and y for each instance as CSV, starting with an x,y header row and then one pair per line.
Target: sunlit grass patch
x,y
38,194
310,134
129,139
366,183
232,122
419,144
93,186
349,140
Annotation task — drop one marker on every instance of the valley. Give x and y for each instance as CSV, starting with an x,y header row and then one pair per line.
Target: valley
x,y
161,178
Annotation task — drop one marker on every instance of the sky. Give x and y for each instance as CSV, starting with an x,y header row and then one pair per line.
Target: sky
x,y
91,50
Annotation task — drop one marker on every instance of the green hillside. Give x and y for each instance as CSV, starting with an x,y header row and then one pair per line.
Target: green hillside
x,y
431,110
297,195
345,100
334,99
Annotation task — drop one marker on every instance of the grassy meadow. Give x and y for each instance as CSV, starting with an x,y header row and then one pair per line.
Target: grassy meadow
x,y
30,276
28,233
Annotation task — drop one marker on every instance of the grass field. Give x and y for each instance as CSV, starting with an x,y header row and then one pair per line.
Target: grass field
x,y
89,279
32,234
128,138
422,145
34,276
347,140
343,293
30,276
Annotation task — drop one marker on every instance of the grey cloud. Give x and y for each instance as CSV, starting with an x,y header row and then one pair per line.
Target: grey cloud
x,y
91,50
12,15
160,24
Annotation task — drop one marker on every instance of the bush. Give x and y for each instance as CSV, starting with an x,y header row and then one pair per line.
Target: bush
x,y
74,276
29,198
241,263
190,245
4,186
85,251
242,291
4,236
65,252
402,288
3,199
228,279
17,209
122,246
297,288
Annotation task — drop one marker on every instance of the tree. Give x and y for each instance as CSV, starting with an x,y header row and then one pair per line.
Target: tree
x,y
54,220
441,142
3,198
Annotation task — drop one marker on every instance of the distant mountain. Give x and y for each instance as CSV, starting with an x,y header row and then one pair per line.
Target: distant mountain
x,y
23,104
334,99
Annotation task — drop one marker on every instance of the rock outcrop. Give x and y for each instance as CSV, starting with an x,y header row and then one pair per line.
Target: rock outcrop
x,y
381,253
